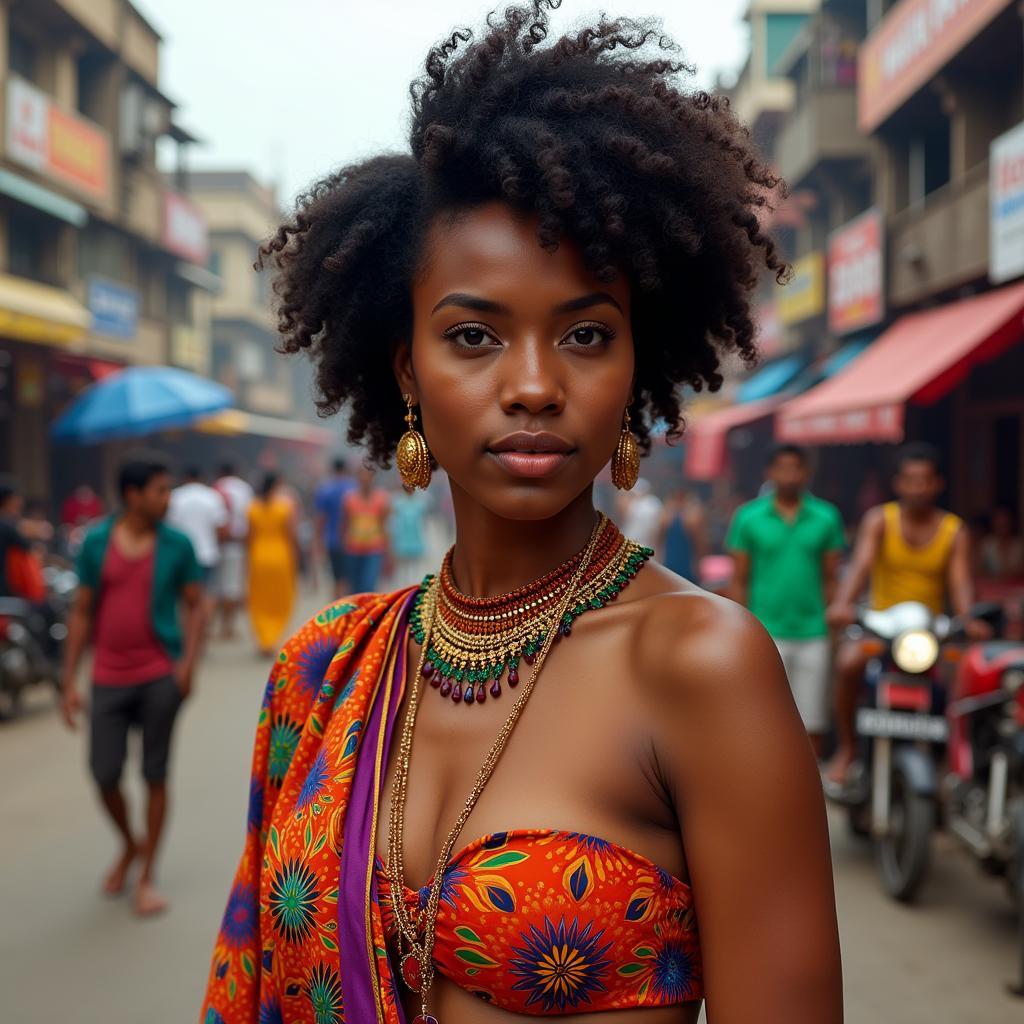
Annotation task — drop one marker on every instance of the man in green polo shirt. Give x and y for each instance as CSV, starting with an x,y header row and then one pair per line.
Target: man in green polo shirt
x,y
786,545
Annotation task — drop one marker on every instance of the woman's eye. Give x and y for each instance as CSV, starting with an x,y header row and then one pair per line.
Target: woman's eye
x,y
470,336
589,335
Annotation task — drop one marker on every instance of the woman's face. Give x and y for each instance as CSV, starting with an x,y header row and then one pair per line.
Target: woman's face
x,y
521,362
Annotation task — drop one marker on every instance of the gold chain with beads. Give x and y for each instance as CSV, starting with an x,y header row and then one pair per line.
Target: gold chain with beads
x,y
422,949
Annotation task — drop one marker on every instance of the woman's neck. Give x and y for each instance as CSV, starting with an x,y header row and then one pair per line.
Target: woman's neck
x,y
494,556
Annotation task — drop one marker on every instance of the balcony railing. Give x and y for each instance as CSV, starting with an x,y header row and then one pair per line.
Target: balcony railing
x,y
822,129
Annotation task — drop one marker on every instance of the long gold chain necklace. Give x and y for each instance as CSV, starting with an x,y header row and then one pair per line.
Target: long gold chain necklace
x,y
416,963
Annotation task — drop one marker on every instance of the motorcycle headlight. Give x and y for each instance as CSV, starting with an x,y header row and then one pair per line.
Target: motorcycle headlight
x,y
916,650
1013,680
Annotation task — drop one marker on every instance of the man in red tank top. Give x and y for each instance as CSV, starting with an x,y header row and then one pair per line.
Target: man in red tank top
x,y
134,571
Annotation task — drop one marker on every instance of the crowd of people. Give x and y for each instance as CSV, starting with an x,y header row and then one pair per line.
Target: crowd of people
x,y
215,546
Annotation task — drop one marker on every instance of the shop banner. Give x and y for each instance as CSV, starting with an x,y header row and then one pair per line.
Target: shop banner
x,y
185,230
914,41
1006,198
856,276
114,308
54,143
804,296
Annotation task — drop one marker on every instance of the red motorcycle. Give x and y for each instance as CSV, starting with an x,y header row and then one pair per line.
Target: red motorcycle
x,y
984,791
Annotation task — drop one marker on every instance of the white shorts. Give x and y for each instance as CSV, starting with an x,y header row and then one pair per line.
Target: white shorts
x,y
230,578
807,666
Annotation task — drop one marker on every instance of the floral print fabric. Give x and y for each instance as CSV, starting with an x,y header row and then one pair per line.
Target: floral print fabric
x,y
276,958
548,922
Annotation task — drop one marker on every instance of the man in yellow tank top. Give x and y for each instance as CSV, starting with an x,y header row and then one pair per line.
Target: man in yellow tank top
x,y
907,550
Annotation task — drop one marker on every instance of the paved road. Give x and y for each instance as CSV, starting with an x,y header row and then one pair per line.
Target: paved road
x,y
68,956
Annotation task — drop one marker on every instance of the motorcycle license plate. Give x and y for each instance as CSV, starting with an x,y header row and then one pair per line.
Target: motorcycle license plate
x,y
901,726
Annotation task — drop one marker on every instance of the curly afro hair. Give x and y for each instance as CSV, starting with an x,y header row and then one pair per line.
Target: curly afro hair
x,y
590,134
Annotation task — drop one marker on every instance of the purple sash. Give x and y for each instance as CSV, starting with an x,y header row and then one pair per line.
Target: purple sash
x,y
357,886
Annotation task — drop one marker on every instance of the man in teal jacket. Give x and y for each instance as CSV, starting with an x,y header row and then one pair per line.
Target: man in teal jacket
x,y
134,573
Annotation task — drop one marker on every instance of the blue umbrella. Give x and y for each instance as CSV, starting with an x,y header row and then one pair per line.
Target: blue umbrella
x,y
139,400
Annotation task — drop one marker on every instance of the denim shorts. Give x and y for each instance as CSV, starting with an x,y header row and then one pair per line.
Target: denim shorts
x,y
151,707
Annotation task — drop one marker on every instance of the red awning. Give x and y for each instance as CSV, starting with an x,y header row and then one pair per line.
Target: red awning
x,y
920,359
706,436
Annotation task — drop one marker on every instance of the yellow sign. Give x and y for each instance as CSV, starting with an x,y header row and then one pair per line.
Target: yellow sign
x,y
190,348
804,296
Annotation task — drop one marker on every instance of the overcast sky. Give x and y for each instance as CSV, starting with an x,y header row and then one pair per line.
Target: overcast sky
x,y
290,90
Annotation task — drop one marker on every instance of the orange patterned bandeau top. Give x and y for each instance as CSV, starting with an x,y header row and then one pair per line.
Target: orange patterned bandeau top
x,y
548,922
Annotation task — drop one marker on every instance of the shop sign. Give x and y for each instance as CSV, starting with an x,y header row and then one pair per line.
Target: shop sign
x,y
1006,198
804,296
856,279
185,230
61,146
914,41
190,348
114,308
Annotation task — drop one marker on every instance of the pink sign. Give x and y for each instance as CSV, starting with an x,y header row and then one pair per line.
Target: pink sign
x,y
185,230
856,288
909,45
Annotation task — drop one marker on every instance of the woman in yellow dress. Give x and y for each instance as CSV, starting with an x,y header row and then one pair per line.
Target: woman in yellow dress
x,y
272,563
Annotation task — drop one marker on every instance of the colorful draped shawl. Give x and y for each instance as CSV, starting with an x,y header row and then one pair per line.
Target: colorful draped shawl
x,y
302,940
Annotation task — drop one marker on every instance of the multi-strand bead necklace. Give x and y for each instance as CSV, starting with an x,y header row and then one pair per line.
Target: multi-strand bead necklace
x,y
477,642
524,624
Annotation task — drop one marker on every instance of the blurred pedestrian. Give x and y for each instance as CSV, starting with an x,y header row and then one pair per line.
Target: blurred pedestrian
x,y
641,516
365,539
1001,554
683,541
14,544
134,572
910,550
202,515
81,507
407,532
230,582
273,562
328,503
786,546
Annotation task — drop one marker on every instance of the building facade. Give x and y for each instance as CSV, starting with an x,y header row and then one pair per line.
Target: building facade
x,y
102,262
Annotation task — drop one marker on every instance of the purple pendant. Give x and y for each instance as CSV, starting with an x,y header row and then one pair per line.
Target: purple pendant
x,y
446,686
435,679
495,689
424,1018
529,658
513,677
481,693
457,692
428,669
468,696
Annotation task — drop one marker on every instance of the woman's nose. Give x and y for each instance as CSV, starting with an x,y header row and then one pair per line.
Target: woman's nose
x,y
532,379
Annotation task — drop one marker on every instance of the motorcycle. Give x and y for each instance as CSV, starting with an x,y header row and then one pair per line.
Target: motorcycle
x,y
984,790
31,639
892,788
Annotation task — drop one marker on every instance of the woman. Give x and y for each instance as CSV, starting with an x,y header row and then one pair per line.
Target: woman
x,y
365,534
407,533
454,816
273,563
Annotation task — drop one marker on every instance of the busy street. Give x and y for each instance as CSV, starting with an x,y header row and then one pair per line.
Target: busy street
x,y
945,961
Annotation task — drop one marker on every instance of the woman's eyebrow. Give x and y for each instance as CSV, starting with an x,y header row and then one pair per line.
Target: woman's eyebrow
x,y
585,301
470,302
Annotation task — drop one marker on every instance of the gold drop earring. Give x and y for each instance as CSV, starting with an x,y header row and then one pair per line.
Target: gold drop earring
x,y
413,455
626,460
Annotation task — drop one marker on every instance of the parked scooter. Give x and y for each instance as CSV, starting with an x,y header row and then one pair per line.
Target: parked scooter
x,y
984,790
902,730
31,639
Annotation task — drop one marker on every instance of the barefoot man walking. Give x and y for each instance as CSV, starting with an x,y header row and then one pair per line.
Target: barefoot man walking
x,y
134,571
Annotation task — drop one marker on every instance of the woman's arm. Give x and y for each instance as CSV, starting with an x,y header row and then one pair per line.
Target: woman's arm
x,y
752,817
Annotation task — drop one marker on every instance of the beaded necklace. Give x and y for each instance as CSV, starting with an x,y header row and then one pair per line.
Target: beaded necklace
x,y
475,642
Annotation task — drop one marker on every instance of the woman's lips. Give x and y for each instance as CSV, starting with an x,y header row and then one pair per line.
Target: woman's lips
x,y
530,464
